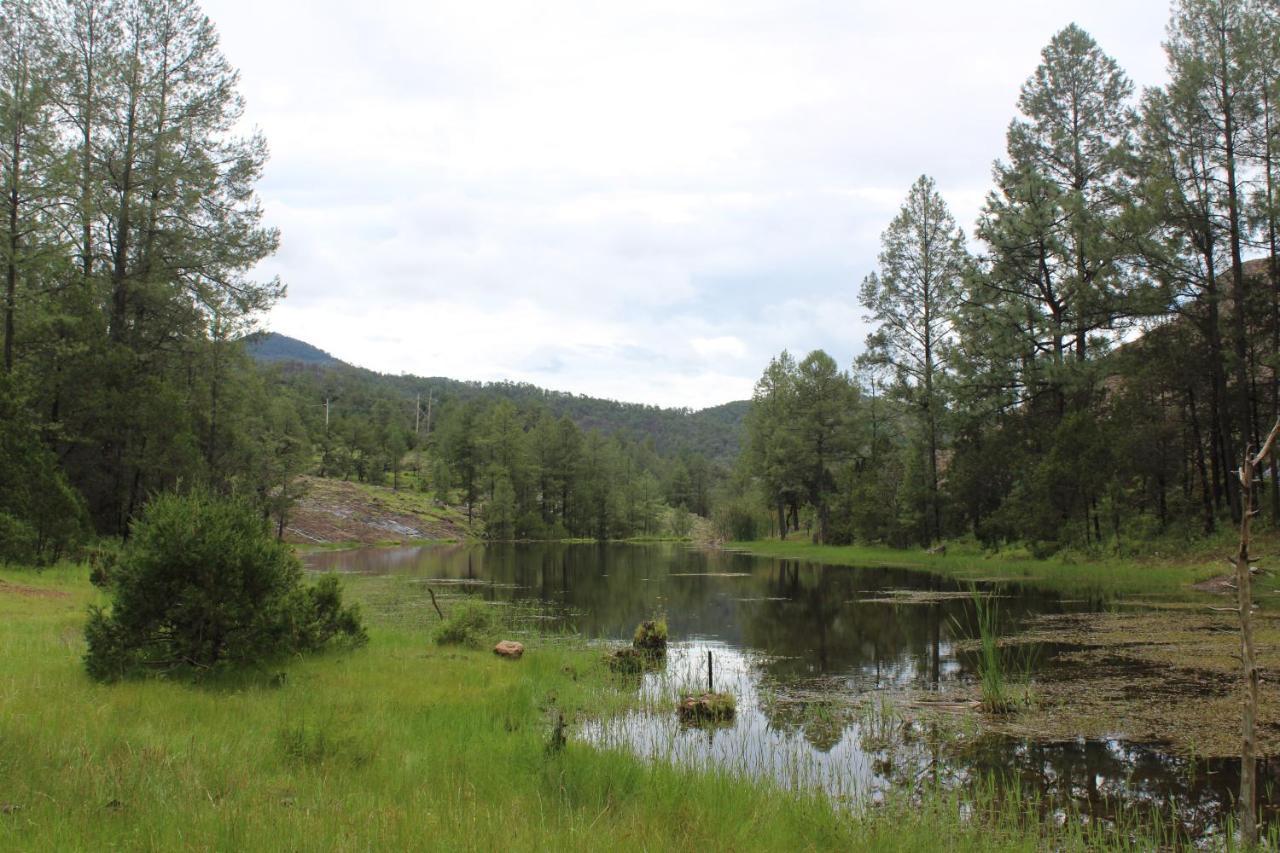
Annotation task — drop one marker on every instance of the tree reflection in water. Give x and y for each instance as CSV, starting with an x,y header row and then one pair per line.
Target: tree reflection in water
x,y
809,652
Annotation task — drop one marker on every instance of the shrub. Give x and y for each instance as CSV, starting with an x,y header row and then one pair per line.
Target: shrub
x,y
469,624
202,583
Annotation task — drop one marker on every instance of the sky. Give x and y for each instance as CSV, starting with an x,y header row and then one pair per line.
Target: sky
x,y
644,201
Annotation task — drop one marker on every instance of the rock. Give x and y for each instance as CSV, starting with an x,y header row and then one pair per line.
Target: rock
x,y
508,649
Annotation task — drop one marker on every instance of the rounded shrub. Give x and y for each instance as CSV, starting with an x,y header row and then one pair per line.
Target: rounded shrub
x,y
202,583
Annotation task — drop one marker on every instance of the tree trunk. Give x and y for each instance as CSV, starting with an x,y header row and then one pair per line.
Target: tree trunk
x,y
1248,656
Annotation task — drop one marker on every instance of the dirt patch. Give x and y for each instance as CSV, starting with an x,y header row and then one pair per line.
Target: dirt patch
x,y
333,511
1221,585
30,591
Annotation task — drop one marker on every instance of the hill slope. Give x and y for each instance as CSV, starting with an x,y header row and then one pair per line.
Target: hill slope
x,y
716,432
270,347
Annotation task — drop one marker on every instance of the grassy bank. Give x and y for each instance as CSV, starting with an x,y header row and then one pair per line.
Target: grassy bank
x,y
1163,575
398,745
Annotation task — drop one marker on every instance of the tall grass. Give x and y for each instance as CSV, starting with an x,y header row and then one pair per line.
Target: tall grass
x,y
1065,574
997,697
402,745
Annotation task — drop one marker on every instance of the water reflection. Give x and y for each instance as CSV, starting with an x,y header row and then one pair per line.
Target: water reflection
x,y
809,621
811,652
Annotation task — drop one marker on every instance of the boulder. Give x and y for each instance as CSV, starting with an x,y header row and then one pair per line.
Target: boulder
x,y
508,649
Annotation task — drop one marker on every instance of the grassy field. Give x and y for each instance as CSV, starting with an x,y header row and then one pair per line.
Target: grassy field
x,y
396,746
1160,575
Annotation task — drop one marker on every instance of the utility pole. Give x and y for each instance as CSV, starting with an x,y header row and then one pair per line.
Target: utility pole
x,y
417,412
326,414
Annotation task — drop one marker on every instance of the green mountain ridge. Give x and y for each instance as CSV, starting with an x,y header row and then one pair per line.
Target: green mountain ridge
x,y
716,432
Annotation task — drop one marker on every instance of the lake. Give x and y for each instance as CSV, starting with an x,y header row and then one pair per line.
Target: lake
x,y
821,660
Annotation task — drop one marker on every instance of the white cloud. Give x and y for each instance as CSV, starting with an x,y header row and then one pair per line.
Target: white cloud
x,y
644,201
719,348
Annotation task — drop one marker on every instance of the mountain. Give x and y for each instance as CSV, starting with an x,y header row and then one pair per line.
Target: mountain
x,y
268,347
716,433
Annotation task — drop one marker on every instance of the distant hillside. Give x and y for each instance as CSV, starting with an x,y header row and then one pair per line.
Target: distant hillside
x,y
716,432
271,347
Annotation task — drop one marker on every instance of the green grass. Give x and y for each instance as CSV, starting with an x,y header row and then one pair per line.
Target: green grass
x,y
1168,575
400,745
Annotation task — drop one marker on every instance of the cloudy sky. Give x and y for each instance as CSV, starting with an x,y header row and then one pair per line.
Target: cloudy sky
x,y
642,200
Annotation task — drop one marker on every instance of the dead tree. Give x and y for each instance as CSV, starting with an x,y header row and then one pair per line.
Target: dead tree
x,y
1248,658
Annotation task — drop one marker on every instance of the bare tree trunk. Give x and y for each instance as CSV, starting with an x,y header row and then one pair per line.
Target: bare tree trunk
x,y
1248,657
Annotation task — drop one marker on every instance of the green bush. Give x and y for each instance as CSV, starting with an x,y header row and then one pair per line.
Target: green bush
x,y
200,584
469,624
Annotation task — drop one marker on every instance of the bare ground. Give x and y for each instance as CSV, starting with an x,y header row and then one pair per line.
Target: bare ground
x,y
23,591
336,511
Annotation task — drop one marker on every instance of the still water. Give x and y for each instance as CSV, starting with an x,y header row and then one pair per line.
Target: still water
x,y
820,659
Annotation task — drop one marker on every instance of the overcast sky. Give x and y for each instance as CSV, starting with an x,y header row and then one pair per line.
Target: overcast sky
x,y
642,200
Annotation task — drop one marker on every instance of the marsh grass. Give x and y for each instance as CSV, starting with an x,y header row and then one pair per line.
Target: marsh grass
x,y
651,635
1168,574
1004,674
401,745
469,623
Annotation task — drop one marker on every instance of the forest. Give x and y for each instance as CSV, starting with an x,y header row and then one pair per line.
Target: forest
x,y
1084,370
130,230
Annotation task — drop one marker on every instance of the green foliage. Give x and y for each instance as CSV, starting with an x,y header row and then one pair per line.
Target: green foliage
x,y
201,584
996,698
739,518
651,635
41,517
470,623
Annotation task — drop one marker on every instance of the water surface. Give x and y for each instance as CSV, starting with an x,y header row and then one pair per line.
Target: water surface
x,y
817,656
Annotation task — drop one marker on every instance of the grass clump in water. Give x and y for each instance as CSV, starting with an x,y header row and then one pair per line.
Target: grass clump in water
x,y
1000,693
651,636
631,661
707,708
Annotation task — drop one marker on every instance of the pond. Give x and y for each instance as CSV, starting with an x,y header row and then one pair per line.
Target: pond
x,y
821,660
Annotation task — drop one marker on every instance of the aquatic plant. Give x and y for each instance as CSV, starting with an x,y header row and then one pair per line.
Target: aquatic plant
x,y
997,693
707,707
651,635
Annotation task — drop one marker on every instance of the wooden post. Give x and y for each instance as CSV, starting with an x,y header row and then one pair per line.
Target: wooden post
x,y
711,688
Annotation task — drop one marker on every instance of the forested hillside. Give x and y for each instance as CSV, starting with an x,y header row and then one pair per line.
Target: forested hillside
x,y
129,231
269,347
715,433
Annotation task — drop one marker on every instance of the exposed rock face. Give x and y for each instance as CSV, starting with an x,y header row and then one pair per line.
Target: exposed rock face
x,y
508,649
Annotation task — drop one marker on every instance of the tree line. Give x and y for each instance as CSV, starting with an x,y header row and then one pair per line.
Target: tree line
x,y
1088,370
517,468
128,230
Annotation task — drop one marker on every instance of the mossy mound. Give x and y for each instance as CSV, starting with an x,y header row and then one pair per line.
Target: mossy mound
x,y
651,636
707,708
633,661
